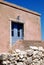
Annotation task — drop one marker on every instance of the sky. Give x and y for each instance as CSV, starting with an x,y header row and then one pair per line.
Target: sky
x,y
34,5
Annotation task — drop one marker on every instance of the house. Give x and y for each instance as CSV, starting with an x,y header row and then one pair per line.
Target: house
x,y
17,23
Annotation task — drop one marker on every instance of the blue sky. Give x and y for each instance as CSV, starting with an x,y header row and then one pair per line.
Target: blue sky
x,y
35,5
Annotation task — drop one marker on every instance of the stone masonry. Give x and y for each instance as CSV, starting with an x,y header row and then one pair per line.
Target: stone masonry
x,y
32,56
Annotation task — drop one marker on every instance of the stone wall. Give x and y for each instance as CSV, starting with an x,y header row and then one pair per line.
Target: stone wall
x,y
32,56
24,44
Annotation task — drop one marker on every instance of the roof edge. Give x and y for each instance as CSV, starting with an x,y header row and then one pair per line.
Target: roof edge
x,y
20,8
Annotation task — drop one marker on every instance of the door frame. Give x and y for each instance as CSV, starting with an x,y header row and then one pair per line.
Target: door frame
x,y
14,20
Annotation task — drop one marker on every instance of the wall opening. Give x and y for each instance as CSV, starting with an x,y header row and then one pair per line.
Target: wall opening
x,y
17,31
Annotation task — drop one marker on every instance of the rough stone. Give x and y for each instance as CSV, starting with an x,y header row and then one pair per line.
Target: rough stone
x,y
33,47
29,52
27,57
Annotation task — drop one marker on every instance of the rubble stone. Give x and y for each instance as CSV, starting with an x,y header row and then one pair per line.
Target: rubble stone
x,y
32,56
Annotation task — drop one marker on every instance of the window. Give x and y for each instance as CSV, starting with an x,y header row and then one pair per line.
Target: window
x,y
18,32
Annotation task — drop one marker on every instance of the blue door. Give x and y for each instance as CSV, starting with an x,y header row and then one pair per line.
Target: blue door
x,y
17,31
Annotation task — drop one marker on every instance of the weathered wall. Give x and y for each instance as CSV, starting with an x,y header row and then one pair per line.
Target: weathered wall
x,y
24,44
31,25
